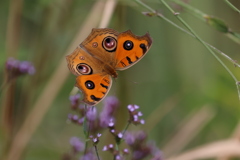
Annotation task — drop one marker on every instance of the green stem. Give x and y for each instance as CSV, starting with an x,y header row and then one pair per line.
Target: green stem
x,y
185,31
232,6
199,39
126,127
202,16
208,46
96,150
85,130
199,14
204,44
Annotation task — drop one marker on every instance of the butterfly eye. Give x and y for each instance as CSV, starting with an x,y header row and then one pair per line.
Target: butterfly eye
x,y
128,45
109,44
84,68
89,84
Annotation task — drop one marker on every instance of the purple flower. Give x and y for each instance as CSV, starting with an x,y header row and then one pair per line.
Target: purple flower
x,y
91,114
88,156
77,144
125,151
157,156
80,121
74,99
129,138
26,67
12,63
104,121
105,148
137,155
109,147
99,135
155,151
111,123
132,107
110,105
135,138
16,68
119,157
120,135
134,114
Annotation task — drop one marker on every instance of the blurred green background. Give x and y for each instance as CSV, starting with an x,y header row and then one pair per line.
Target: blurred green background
x,y
177,81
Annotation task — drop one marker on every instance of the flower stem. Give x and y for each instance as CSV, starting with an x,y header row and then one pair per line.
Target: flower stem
x,y
96,150
208,46
199,39
159,15
85,129
232,6
126,127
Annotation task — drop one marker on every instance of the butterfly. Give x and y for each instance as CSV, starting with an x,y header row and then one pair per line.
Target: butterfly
x,y
98,58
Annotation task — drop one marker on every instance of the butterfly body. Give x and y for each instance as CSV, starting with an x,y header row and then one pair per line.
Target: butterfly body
x,y
96,60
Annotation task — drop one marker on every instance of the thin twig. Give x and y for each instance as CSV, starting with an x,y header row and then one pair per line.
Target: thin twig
x,y
232,6
96,150
204,44
185,31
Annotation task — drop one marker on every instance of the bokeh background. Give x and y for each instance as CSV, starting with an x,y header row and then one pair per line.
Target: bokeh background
x,y
187,97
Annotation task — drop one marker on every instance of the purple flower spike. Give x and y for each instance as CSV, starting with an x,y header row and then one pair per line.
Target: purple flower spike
x,y
141,135
110,105
77,144
26,67
133,138
110,145
75,117
120,135
99,135
74,99
156,152
119,157
134,114
16,68
80,121
125,151
12,63
31,70
136,106
105,148
129,138
140,114
91,113
111,123
142,121
131,108
88,156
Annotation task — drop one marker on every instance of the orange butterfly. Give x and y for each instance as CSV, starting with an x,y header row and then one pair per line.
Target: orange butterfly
x,y
100,55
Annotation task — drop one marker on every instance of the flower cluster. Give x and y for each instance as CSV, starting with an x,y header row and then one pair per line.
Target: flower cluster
x,y
137,141
118,155
17,68
137,145
95,139
134,114
95,121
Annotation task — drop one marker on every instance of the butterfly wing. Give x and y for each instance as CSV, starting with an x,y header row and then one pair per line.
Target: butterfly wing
x,y
92,80
94,87
101,44
131,49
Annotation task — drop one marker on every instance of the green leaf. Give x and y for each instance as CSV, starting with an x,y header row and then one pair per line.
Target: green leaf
x,y
217,23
